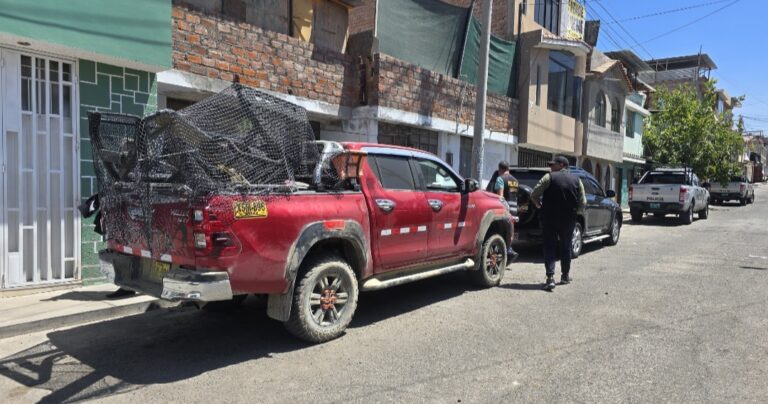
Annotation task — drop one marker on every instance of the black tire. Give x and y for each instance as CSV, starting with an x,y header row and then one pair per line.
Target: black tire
x,y
324,300
577,242
637,215
224,305
704,213
743,201
615,232
752,199
493,262
687,217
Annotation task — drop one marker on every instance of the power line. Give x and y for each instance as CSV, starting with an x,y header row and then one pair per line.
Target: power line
x,y
676,10
608,35
625,30
692,22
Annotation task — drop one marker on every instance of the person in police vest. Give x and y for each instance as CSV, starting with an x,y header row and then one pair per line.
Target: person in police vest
x,y
562,199
505,185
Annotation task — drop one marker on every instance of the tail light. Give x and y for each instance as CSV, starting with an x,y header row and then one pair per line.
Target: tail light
x,y
742,188
631,192
683,193
211,237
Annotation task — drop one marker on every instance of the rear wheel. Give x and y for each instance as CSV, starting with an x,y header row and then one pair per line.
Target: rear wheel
x,y
490,270
615,232
324,301
687,217
743,201
637,215
577,242
704,213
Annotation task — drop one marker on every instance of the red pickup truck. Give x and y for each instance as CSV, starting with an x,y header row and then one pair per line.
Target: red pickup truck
x,y
403,215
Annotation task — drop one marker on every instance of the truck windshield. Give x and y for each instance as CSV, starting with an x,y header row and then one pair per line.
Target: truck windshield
x,y
664,178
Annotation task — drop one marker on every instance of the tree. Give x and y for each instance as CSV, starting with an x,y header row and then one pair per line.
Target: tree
x,y
687,131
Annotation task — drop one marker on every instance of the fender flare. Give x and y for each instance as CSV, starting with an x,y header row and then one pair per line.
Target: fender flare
x,y
279,305
490,217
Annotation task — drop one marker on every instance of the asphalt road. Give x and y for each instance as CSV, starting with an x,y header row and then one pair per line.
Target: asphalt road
x,y
672,314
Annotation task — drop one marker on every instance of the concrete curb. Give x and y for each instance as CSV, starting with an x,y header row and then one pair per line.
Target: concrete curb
x,y
78,318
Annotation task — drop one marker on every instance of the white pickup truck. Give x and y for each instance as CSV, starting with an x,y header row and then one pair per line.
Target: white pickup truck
x,y
737,189
669,191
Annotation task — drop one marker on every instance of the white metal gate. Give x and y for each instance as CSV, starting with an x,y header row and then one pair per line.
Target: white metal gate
x,y
40,223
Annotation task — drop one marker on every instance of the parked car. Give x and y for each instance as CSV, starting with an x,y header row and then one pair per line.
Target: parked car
x,y
669,191
738,189
602,220
409,217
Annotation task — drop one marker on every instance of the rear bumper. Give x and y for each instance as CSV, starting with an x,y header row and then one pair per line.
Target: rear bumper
x,y
658,207
725,196
178,284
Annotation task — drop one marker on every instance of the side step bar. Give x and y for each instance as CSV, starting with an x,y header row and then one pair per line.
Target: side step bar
x,y
598,238
377,283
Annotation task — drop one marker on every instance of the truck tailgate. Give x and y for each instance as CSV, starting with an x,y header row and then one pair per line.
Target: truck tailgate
x,y
656,193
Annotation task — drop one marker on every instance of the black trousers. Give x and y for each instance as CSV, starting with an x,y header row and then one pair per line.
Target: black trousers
x,y
558,237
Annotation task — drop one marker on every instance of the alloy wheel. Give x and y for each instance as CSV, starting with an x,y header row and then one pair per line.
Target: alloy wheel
x,y
328,299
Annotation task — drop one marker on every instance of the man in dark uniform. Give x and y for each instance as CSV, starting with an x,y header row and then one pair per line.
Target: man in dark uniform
x,y
563,199
505,185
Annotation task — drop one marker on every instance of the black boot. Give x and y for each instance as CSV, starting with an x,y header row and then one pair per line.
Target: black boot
x,y
550,283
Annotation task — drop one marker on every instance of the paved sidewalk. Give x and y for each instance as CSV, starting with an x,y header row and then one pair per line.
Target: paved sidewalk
x,y
62,308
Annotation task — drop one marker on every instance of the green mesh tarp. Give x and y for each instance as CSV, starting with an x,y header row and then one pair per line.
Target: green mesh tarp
x,y
501,60
428,33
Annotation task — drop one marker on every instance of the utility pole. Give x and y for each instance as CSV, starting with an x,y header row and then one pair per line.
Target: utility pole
x,y
482,89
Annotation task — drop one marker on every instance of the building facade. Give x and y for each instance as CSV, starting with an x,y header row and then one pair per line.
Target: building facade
x,y
56,65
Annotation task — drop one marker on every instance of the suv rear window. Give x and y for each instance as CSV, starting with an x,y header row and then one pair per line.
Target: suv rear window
x,y
664,178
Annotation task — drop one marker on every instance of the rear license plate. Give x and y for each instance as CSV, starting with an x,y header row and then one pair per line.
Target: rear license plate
x,y
158,269
655,205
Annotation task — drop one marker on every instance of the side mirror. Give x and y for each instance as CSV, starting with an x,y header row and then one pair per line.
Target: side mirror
x,y
706,185
470,185
610,193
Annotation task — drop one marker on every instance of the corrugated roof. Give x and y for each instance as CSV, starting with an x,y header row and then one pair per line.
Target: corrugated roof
x,y
630,59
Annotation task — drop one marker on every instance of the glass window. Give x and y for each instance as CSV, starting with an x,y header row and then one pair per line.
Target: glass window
x,y
594,187
561,86
538,85
436,177
465,157
630,124
548,15
395,173
600,109
615,116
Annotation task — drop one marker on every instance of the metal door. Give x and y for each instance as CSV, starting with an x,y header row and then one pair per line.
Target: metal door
x,y
40,223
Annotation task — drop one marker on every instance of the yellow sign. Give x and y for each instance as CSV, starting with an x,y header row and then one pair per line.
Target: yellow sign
x,y
250,209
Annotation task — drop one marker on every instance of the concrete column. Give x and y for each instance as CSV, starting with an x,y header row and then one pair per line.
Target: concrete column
x,y
580,71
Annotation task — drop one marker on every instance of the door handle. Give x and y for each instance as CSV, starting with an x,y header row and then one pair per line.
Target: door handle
x,y
435,204
385,205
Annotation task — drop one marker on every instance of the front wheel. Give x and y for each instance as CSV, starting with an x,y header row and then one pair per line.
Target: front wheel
x,y
324,301
490,270
615,232
577,242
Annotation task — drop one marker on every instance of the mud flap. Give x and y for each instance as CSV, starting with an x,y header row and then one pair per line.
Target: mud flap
x,y
279,305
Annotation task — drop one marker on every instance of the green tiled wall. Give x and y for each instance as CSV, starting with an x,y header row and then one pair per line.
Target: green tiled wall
x,y
106,88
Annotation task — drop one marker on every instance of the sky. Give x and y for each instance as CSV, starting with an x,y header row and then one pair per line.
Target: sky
x,y
732,32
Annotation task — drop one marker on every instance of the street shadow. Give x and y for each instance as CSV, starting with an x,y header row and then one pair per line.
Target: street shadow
x,y
164,346
755,268
666,221
84,296
523,286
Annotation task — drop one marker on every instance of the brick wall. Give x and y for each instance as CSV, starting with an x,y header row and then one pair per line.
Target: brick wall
x,y
361,18
401,85
219,48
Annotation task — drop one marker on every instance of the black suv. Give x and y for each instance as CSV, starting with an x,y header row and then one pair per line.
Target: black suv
x,y
601,222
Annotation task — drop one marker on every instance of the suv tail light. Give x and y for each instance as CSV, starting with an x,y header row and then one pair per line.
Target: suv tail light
x,y
683,193
742,188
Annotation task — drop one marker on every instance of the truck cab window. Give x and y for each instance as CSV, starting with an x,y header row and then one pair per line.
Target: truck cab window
x,y
394,173
437,177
